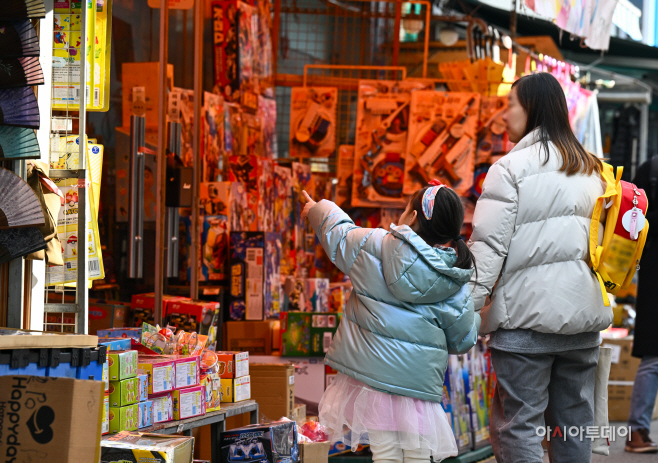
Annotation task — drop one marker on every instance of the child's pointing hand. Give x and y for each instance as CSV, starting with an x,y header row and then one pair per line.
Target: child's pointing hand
x,y
309,204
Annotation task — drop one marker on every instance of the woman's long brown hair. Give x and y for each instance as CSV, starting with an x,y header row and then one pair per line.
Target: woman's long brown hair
x,y
544,102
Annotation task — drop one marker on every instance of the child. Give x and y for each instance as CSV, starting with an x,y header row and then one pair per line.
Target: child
x,y
411,306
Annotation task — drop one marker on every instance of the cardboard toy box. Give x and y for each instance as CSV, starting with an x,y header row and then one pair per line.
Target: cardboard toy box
x,y
106,414
104,314
246,297
273,387
189,402
124,392
314,452
233,364
122,364
160,372
115,344
272,443
187,370
145,414
135,333
142,306
284,217
57,425
236,390
132,447
191,315
273,289
124,418
143,387
212,385
305,294
307,334
163,407
252,337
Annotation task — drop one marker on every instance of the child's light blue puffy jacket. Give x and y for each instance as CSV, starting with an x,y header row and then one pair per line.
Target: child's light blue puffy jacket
x,y
408,310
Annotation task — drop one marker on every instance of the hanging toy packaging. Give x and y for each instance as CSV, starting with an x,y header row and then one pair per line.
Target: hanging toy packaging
x,y
382,124
442,140
313,121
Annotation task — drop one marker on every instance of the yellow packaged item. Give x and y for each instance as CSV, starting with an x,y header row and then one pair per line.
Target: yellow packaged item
x,y
68,52
67,223
102,56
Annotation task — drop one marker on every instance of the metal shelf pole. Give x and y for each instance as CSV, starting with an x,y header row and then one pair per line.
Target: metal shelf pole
x,y
197,141
161,210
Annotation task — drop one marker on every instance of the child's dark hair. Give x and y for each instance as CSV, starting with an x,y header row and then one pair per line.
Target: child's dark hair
x,y
445,224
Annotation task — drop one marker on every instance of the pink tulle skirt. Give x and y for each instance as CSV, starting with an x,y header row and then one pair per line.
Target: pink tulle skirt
x,y
349,408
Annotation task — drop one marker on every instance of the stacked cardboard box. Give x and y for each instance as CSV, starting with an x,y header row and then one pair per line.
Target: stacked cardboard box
x,y
112,345
253,337
273,387
160,374
123,391
145,412
234,376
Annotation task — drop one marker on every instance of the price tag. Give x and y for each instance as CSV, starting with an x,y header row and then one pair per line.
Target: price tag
x,y
62,124
180,428
173,108
139,101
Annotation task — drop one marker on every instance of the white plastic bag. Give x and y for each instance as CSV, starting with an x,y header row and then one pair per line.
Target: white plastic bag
x,y
600,445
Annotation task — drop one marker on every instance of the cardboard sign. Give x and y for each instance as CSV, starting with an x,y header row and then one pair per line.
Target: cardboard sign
x,y
173,4
50,419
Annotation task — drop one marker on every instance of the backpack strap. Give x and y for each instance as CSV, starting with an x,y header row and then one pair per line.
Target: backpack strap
x,y
610,177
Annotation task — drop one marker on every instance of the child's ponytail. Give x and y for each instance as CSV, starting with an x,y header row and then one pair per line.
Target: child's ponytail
x,y
465,258
444,225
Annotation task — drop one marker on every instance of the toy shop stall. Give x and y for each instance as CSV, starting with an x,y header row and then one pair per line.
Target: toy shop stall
x,y
153,258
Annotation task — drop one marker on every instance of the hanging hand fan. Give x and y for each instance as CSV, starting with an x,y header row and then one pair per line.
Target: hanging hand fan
x,y
22,9
19,205
18,38
18,143
19,72
19,108
18,242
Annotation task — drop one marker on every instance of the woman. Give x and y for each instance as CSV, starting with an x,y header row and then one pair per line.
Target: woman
x,y
530,240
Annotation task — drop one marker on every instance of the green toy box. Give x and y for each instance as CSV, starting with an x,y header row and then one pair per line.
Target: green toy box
x,y
124,418
124,392
307,334
122,364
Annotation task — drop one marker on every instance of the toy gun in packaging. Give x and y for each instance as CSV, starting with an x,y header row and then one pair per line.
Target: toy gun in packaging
x,y
441,146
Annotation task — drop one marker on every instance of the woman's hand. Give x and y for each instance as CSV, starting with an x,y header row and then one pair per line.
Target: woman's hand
x,y
309,204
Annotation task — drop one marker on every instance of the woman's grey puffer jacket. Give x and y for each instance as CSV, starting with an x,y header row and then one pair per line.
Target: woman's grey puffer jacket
x,y
530,240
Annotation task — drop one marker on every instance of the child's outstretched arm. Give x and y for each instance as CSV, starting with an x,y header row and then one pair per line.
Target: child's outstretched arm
x,y
340,238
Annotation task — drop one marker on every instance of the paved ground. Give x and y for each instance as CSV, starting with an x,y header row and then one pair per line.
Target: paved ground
x,y
617,454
